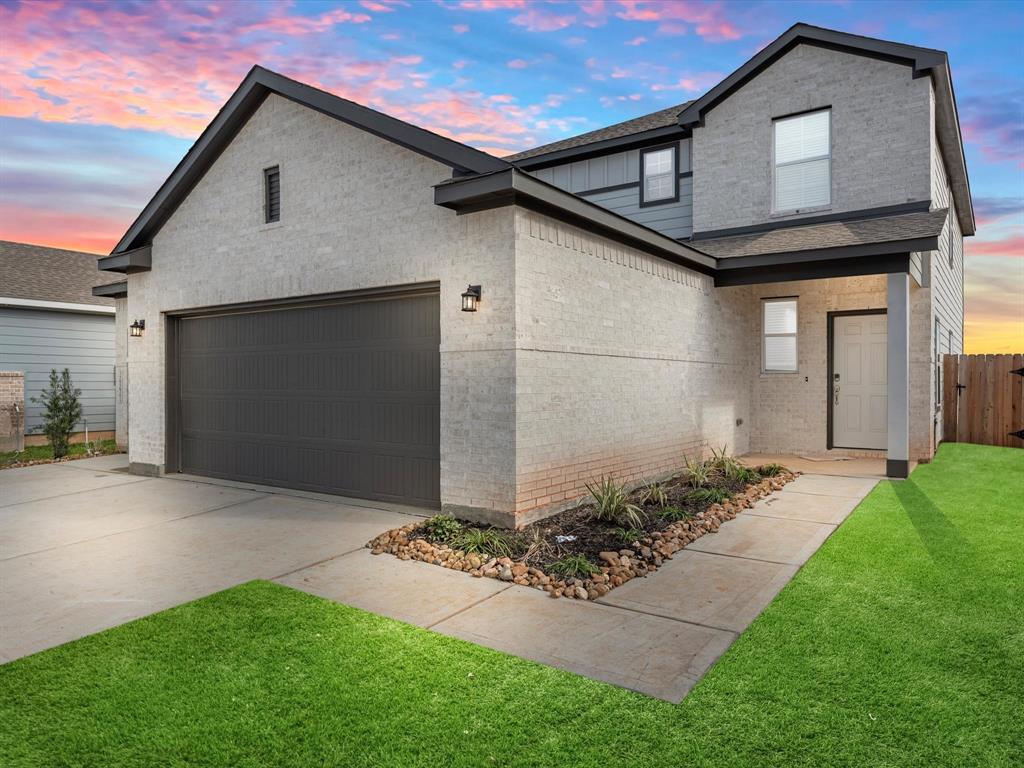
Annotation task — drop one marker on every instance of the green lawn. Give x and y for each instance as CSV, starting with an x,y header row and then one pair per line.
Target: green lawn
x,y
901,643
41,452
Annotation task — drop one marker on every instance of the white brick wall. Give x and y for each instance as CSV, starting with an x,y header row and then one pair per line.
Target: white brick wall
x,y
624,363
356,212
880,136
121,406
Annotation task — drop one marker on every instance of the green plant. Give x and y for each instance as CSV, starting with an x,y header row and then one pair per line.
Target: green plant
x,y
654,493
573,566
628,535
61,410
612,505
770,470
486,541
442,528
674,514
710,495
697,472
728,465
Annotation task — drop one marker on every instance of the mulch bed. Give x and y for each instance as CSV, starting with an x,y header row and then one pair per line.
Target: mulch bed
x,y
536,554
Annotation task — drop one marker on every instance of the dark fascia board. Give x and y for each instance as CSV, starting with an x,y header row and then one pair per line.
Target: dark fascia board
x,y
732,263
919,206
880,264
256,86
603,147
922,60
127,262
515,187
116,290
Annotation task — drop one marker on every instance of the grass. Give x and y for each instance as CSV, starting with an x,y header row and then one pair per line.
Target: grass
x,y
899,644
45,452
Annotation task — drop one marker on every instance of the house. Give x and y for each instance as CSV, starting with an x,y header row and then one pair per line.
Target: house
x,y
773,267
50,319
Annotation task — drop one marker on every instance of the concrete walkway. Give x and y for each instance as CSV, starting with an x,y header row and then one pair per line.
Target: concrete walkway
x,y
657,635
85,546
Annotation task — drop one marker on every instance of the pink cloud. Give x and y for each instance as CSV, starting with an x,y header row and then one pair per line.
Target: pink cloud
x,y
1012,245
460,29
993,124
518,64
691,83
709,20
637,41
536,18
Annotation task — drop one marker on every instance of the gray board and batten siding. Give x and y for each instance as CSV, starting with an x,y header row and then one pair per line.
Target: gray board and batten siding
x,y
35,341
613,182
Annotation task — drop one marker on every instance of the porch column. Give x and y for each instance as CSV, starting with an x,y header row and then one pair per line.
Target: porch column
x,y
897,458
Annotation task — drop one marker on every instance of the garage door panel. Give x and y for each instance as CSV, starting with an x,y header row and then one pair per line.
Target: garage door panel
x,y
339,398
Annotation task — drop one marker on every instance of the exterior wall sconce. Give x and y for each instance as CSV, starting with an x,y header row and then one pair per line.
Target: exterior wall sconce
x,y
471,298
136,328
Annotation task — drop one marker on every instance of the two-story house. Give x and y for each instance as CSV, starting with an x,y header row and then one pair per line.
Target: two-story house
x,y
327,298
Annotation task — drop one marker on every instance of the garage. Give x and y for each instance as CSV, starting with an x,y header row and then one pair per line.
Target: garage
x,y
337,396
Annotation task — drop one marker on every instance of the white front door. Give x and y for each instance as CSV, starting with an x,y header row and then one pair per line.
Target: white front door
x,y
859,400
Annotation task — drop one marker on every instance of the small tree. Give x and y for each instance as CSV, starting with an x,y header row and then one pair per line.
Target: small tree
x,y
62,410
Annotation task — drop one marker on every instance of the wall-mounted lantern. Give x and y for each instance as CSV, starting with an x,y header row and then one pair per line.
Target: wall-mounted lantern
x,y
136,328
471,298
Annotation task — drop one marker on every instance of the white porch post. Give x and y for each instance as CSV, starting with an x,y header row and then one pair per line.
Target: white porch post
x,y
898,375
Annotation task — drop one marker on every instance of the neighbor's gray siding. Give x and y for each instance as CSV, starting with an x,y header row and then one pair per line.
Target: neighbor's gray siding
x,y
35,341
672,219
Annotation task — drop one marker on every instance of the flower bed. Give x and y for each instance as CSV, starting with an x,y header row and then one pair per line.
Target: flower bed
x,y
586,551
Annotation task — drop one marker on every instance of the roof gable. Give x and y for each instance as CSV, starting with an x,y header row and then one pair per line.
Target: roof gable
x,y
254,89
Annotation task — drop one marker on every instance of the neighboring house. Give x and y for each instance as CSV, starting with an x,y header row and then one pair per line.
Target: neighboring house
x,y
50,319
774,267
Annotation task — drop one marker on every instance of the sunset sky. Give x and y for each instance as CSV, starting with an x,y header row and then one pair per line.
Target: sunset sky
x,y
99,100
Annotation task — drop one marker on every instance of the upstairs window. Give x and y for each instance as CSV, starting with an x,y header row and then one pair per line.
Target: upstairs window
x,y
272,194
778,346
803,161
659,180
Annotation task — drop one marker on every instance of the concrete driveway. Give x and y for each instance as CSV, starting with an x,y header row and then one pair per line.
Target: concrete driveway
x,y
85,546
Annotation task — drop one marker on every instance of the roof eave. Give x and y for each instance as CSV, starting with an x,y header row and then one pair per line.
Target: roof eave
x,y
516,187
602,147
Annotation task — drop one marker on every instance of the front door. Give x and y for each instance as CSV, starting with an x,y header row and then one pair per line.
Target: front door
x,y
859,400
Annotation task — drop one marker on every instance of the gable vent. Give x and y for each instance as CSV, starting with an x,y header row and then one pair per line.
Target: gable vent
x,y
272,190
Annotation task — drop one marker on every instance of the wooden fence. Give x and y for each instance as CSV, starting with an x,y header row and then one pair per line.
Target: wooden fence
x,y
983,399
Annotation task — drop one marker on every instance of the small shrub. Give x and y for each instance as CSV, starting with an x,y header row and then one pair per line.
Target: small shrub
x,y
770,470
61,411
628,535
573,566
612,505
442,528
674,514
728,465
486,541
710,495
654,493
697,473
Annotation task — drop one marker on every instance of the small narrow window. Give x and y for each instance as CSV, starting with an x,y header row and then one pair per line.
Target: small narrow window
x,y
779,335
272,194
803,161
659,182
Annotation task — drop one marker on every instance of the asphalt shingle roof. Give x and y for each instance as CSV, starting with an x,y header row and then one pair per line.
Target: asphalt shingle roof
x,y
837,234
49,274
660,119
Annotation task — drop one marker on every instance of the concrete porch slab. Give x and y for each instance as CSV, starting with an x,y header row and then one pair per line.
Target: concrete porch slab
x,y
706,589
413,592
656,656
766,538
814,508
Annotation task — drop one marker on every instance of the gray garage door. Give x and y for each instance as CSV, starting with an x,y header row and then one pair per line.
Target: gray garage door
x,y
340,398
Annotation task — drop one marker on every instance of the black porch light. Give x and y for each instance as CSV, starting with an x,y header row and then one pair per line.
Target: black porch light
x,y
471,298
136,328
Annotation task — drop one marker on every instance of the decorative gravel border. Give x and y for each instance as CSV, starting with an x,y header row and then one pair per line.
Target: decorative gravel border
x,y
617,567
